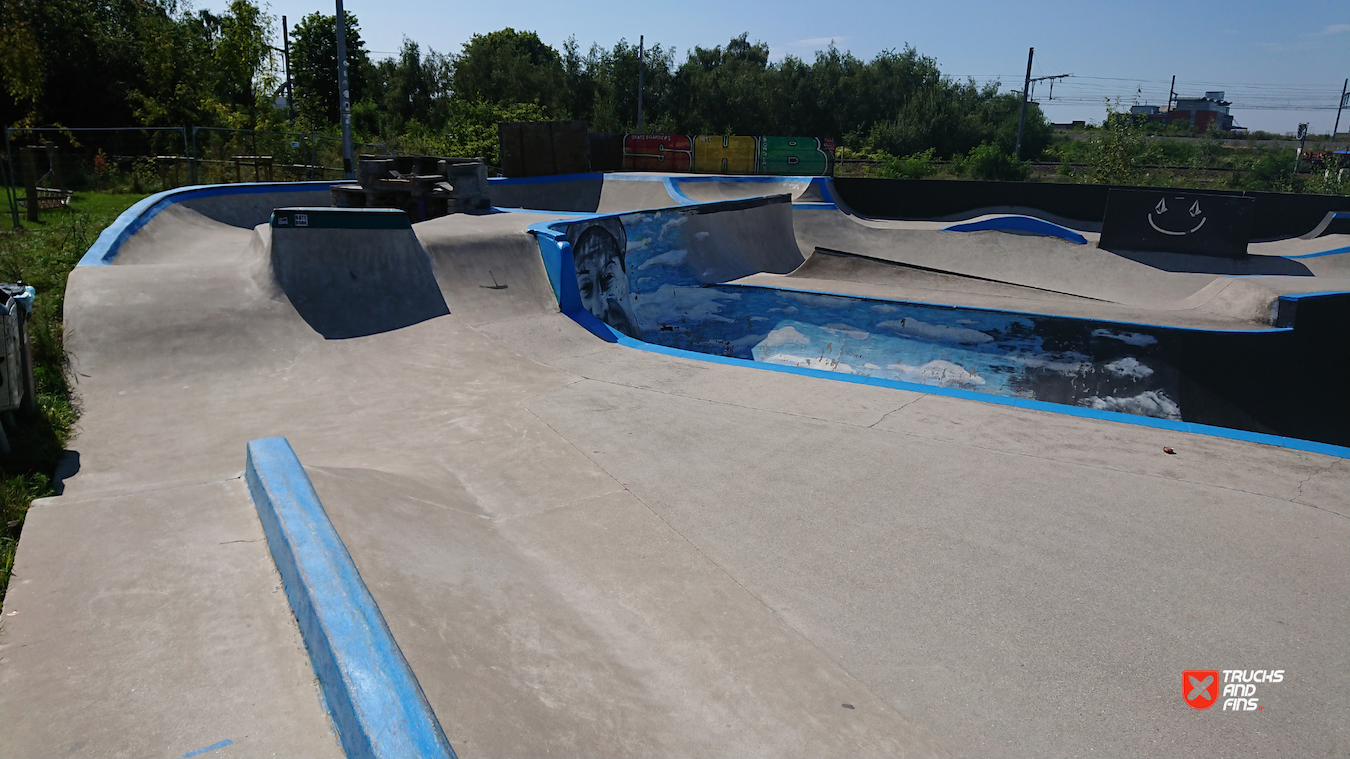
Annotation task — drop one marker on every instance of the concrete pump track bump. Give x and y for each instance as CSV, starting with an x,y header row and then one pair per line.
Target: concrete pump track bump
x,y
682,465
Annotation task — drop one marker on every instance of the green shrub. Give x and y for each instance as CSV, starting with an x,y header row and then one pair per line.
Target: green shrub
x,y
989,162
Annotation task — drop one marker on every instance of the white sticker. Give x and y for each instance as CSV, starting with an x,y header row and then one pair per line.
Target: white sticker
x,y
302,220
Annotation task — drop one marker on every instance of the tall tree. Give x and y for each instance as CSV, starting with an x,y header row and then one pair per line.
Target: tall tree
x,y
314,66
507,66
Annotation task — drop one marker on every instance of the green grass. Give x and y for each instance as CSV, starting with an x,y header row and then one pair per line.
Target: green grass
x,y
42,255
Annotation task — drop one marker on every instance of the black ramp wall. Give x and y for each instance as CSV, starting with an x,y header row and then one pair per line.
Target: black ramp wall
x,y
1169,221
1276,215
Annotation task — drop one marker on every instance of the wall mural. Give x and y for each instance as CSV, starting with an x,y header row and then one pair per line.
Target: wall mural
x,y
657,152
642,274
724,155
715,154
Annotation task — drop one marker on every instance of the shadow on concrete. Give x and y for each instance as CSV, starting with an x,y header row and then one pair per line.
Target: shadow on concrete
x,y
67,467
363,309
366,283
1221,265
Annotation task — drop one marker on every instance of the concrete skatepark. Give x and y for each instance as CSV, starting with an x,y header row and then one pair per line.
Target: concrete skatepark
x,y
586,544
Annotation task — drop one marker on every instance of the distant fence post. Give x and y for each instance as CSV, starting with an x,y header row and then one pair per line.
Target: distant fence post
x,y
28,164
192,174
11,186
194,156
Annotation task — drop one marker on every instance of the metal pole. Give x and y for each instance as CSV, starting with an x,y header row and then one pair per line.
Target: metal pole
x,y
344,94
11,188
1170,92
195,178
1339,106
286,56
182,132
641,66
1021,121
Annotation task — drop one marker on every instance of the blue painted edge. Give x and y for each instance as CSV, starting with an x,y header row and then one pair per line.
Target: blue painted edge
x,y
110,241
1004,311
372,694
1319,294
1332,252
557,255
676,193
1019,223
212,747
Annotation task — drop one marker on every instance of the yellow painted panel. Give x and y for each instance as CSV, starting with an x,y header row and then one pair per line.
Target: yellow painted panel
x,y
724,155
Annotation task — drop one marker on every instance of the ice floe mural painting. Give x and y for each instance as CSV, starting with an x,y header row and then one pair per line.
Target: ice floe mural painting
x,y
649,276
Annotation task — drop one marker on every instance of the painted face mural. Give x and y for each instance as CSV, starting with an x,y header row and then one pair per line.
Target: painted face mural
x,y
1178,217
602,275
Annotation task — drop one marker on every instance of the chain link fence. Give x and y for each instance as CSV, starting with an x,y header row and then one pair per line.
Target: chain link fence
x,y
51,163
239,155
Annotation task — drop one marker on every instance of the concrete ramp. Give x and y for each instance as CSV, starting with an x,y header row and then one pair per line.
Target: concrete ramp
x,y
251,205
488,265
711,189
352,272
583,193
181,235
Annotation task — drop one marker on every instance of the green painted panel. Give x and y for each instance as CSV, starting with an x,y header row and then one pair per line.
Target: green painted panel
x,y
793,156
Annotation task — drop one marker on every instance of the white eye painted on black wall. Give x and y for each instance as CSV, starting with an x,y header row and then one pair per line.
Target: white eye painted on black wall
x,y
1163,219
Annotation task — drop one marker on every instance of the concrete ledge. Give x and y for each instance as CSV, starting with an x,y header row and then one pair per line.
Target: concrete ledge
x,y
372,694
301,217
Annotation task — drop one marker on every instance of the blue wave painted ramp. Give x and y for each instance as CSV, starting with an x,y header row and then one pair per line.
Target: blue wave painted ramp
x,y
374,698
1028,224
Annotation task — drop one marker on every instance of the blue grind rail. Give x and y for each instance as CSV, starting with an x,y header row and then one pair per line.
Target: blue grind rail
x,y
372,694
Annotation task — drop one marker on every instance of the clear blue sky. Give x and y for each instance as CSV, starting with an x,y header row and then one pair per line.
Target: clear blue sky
x,y
1273,58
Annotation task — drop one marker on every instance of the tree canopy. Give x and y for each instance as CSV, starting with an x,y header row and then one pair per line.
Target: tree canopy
x,y
154,63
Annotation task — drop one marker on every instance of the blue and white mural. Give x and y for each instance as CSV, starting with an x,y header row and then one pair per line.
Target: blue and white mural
x,y
649,276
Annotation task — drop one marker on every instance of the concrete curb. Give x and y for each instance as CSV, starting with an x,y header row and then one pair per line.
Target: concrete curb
x,y
374,698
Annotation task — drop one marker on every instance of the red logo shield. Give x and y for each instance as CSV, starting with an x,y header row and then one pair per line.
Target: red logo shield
x,y
1200,687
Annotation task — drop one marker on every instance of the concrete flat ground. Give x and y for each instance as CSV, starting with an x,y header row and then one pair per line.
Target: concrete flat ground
x,y
586,549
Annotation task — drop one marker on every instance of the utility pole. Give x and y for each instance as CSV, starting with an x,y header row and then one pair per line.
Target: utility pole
x,y
286,56
641,65
344,94
1022,120
1170,92
1339,106
1302,139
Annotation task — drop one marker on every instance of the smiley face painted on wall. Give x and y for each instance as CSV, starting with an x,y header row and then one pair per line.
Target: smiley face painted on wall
x,y
1177,219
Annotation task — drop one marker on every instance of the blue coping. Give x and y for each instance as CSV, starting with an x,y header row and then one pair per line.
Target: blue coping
x,y
1332,252
1318,294
374,698
110,241
1019,223
675,192
557,255
1146,325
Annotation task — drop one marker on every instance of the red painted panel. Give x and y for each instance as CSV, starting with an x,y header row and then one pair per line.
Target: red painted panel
x,y
657,152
